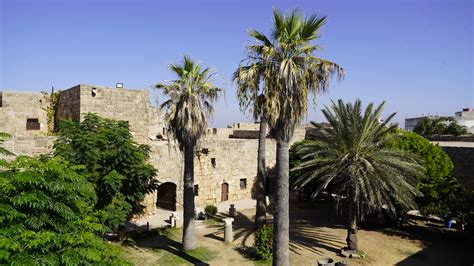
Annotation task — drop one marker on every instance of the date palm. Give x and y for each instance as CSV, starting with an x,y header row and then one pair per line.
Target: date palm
x,y
189,104
288,70
353,158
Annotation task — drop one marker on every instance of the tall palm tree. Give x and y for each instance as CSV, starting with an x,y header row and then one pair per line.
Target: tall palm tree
x,y
286,64
189,105
353,158
252,96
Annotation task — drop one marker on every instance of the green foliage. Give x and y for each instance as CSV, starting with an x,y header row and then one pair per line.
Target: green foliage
x,y
190,99
285,63
210,211
112,161
263,244
352,157
438,182
461,206
52,103
45,216
429,126
3,137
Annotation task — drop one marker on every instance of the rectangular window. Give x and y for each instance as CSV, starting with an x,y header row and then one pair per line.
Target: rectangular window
x,y
243,183
213,162
32,124
1,99
196,190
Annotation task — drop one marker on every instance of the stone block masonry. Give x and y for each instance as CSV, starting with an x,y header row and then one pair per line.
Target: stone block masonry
x,y
22,113
225,162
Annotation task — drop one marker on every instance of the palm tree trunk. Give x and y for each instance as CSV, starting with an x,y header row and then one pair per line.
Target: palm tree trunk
x,y
189,233
261,211
352,228
281,210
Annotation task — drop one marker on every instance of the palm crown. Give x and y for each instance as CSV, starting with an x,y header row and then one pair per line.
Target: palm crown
x,y
289,70
353,156
190,101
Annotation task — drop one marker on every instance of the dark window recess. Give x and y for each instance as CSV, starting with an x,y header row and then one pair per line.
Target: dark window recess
x,y
243,183
32,124
196,190
1,99
213,162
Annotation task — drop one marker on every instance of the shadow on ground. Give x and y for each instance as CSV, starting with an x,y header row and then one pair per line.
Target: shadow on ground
x,y
157,241
305,229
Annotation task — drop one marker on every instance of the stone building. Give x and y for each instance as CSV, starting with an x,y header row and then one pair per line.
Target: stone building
x,y
225,163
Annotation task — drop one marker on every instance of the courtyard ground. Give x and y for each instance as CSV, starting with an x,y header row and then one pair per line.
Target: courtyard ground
x,y
315,232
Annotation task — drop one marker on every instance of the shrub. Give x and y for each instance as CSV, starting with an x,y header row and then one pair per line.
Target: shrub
x,y
46,216
461,206
210,211
438,183
263,242
115,164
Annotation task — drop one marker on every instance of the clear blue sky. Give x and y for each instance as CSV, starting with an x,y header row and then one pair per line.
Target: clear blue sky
x,y
416,55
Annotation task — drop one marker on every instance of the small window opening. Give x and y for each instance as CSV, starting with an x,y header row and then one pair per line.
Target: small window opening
x,y
32,124
94,92
213,162
243,183
196,190
1,99
214,131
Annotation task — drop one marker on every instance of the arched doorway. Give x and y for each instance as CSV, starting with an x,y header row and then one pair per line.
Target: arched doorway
x,y
166,198
224,192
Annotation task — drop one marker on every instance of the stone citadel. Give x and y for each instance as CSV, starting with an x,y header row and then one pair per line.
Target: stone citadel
x,y
225,163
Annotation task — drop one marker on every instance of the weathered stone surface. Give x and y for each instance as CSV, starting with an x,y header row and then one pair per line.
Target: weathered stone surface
x,y
17,107
220,159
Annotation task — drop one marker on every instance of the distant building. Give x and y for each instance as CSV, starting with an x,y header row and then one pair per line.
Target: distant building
x,y
463,118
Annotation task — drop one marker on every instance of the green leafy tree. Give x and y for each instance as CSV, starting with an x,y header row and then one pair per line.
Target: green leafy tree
x,y
189,104
429,126
286,64
437,182
113,162
46,216
3,137
352,157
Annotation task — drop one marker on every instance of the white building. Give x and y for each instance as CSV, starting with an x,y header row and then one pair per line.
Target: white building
x,y
463,118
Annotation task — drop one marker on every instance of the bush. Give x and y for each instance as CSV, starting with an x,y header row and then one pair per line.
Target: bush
x,y
112,161
439,182
210,211
461,206
263,242
46,216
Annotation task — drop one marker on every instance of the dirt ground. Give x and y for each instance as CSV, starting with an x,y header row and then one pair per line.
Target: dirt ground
x,y
315,232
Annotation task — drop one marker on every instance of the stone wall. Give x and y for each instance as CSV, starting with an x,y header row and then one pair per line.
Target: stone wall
x,y
30,145
463,159
221,157
119,104
219,160
69,105
17,107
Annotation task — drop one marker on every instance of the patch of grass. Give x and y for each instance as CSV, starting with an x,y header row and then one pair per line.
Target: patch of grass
x,y
263,262
201,253
173,233
212,221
